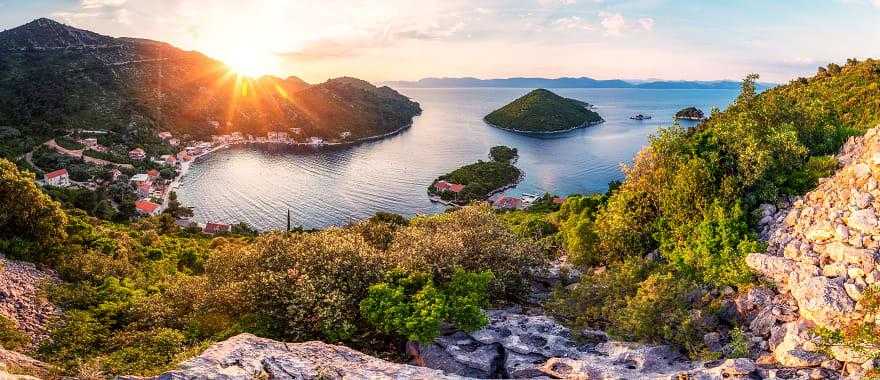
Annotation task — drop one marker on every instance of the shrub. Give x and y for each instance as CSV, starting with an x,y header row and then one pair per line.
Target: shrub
x,y
310,284
660,312
28,213
10,337
414,307
716,249
474,239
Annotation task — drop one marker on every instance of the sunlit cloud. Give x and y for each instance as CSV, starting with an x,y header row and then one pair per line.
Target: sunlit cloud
x,y
646,23
614,23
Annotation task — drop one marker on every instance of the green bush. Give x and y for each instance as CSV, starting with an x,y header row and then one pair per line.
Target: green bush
x,y
474,239
414,307
10,337
715,253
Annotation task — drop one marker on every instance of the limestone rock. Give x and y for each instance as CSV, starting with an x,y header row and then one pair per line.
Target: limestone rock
x,y
248,357
823,301
790,351
21,300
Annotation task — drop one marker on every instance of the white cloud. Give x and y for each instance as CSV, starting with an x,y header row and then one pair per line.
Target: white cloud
x,y
551,3
573,23
613,23
647,23
92,4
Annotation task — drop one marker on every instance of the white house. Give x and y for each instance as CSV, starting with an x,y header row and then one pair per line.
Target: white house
x,y
137,154
90,142
58,178
164,135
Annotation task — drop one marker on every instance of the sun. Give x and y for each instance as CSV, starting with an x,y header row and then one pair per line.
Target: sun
x,y
249,61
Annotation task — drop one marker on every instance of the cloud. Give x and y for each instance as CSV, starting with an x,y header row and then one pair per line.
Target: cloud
x,y
92,4
613,23
573,23
553,3
647,23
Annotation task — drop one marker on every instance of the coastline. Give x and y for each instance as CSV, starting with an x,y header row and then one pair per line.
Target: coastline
x,y
584,125
185,165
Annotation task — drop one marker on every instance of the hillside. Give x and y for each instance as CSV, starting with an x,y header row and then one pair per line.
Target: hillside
x,y
541,111
55,78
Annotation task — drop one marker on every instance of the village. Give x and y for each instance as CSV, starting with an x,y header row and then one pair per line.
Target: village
x,y
152,188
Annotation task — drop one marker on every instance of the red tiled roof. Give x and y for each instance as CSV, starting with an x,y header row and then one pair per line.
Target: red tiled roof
x,y
508,202
446,186
57,173
212,228
153,173
559,200
136,151
146,207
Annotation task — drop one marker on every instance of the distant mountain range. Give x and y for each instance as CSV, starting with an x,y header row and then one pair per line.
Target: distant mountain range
x,y
582,82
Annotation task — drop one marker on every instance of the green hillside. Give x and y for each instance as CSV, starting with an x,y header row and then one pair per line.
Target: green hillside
x,y
55,78
543,111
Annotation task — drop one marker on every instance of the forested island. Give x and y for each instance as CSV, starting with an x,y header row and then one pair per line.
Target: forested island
x,y
690,113
479,180
542,111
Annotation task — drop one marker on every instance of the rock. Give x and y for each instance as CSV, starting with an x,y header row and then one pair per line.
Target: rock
x,y
790,351
822,300
461,355
713,342
821,231
854,291
23,364
763,322
777,268
21,298
247,357
863,220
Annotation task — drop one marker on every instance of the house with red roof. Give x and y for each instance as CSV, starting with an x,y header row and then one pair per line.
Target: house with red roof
x,y
216,228
448,186
144,189
558,200
153,174
508,203
58,178
147,208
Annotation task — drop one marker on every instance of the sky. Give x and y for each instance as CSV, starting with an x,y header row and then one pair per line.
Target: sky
x,y
412,39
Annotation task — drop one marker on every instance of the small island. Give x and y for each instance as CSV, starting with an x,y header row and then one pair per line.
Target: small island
x,y
542,111
477,181
690,113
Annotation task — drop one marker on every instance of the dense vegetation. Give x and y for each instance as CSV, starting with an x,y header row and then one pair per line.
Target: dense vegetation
x,y
137,298
481,178
543,111
503,153
679,225
690,113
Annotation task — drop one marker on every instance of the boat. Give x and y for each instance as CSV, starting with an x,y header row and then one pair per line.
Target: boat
x,y
529,198
640,117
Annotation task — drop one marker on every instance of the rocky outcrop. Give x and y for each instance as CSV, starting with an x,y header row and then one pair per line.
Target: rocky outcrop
x,y
823,254
20,298
521,346
16,366
248,357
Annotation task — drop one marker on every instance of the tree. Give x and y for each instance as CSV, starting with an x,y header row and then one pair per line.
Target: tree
x,y
25,211
175,209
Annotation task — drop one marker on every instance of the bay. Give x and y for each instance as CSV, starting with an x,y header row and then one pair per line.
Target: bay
x,y
340,186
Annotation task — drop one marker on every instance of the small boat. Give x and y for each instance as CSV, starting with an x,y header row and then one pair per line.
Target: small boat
x,y
640,117
529,198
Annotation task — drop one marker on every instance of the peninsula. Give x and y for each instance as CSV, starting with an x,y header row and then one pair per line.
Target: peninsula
x,y
542,111
477,181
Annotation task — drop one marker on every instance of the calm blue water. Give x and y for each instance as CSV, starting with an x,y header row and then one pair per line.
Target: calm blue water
x,y
340,186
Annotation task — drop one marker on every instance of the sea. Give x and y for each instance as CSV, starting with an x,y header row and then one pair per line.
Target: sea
x,y
338,186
